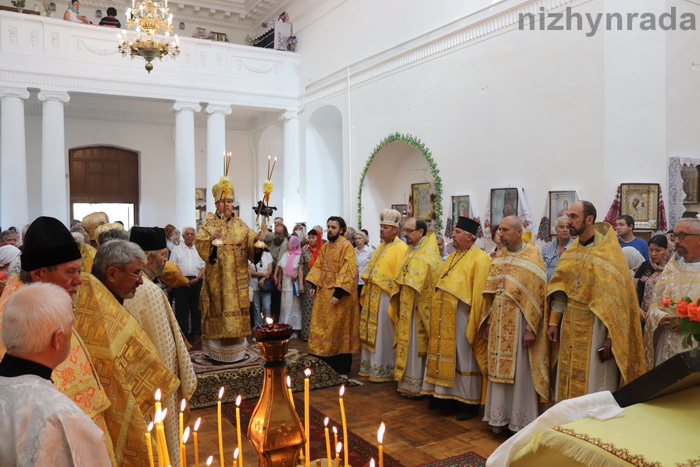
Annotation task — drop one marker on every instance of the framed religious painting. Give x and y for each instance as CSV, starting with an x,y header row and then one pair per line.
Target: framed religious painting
x,y
460,207
691,184
421,201
641,201
504,202
403,210
559,202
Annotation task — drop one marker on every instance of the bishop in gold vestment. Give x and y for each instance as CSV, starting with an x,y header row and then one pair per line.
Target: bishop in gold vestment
x,y
225,243
411,306
518,350
591,294
376,329
452,370
335,317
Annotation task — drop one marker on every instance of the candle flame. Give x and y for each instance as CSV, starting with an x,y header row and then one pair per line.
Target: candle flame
x,y
162,414
183,405
307,372
342,390
325,422
158,395
371,462
338,447
289,382
196,424
275,159
210,459
269,320
238,401
235,454
186,435
150,427
335,430
380,433
269,157
221,392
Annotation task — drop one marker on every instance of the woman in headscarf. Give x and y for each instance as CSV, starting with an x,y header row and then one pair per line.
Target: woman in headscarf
x,y
308,257
649,272
7,254
73,13
290,281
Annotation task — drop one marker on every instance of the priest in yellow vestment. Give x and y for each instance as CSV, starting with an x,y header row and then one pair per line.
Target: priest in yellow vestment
x,y
126,361
513,321
411,305
334,334
592,298
452,371
52,256
225,243
376,329
152,310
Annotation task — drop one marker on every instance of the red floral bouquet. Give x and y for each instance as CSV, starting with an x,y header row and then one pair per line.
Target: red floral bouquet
x,y
688,320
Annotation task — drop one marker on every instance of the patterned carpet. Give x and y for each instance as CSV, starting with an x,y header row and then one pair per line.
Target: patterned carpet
x,y
468,459
360,450
246,377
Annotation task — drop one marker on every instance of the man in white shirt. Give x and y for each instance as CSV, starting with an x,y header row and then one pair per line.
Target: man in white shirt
x,y
185,256
40,425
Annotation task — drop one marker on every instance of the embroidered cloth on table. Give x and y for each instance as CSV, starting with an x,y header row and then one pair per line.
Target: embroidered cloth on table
x,y
655,433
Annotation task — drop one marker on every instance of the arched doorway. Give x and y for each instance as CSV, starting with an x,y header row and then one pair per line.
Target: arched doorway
x,y
105,178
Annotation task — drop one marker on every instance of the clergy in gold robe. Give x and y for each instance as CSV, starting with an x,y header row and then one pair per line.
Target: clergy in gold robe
x,y
411,305
87,253
334,334
152,310
91,222
452,371
52,256
595,320
376,328
226,244
513,321
680,279
126,361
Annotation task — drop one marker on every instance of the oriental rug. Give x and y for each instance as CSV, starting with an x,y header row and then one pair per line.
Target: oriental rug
x,y
468,459
360,450
245,378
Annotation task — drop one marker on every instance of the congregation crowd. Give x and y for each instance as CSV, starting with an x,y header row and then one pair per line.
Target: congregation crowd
x,y
90,310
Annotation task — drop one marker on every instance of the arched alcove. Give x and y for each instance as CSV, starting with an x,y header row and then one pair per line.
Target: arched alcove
x,y
324,165
395,164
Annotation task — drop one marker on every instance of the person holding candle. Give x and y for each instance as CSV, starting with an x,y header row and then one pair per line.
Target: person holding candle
x,y
50,255
41,426
376,328
410,305
225,243
152,310
514,324
335,335
452,374
126,360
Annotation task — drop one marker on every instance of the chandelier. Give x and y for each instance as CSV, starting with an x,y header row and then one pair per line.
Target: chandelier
x,y
149,19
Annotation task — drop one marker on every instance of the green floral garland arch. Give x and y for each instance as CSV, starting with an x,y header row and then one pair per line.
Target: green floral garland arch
x,y
425,152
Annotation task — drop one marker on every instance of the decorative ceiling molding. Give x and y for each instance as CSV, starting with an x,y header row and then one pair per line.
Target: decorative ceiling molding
x,y
454,36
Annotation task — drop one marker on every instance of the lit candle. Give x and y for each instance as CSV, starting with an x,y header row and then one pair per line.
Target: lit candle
x,y
196,442
338,448
269,157
160,431
238,430
289,391
210,459
150,446
218,417
307,453
335,436
183,449
157,398
159,447
183,404
371,462
235,457
273,169
380,438
345,424
328,441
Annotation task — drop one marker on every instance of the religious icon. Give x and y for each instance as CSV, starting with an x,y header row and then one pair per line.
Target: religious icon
x,y
422,201
641,201
460,207
504,202
559,203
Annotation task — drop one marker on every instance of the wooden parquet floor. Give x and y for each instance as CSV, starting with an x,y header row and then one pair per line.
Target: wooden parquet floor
x,y
414,434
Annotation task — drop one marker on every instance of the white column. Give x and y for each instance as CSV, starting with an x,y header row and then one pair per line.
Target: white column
x,y
14,207
54,173
216,146
292,210
184,163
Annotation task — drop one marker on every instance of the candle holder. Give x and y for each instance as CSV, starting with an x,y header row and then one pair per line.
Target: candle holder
x,y
275,429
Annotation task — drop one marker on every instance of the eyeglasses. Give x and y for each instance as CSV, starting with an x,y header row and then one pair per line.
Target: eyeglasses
x,y
409,231
136,274
681,236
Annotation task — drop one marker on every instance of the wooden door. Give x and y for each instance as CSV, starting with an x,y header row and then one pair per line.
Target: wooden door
x,y
104,174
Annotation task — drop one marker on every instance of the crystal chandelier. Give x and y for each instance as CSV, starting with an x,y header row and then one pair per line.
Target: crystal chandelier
x,y
149,19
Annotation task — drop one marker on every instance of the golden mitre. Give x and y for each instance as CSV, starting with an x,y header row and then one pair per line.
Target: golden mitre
x,y
92,221
223,190
105,227
390,217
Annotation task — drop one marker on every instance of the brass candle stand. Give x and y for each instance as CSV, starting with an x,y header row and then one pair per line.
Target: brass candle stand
x,y
275,429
